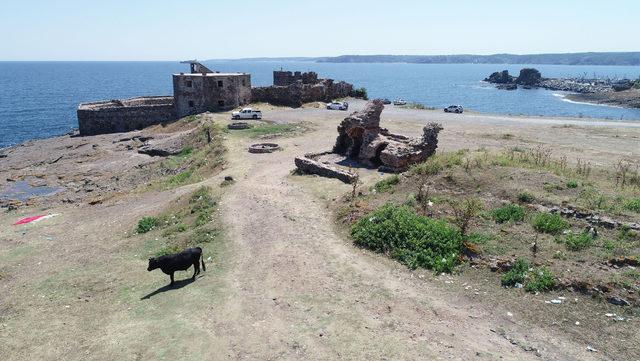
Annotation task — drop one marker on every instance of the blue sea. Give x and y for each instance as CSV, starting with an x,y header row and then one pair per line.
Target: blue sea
x,y
39,99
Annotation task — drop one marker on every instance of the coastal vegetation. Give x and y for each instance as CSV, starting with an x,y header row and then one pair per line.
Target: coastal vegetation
x,y
493,200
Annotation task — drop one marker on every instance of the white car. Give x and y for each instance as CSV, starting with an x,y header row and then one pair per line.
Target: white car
x,y
247,113
454,109
338,106
399,102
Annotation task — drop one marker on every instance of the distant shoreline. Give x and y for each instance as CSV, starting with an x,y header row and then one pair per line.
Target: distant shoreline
x,y
588,58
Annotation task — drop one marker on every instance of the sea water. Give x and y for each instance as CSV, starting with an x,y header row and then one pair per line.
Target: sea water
x,y
39,99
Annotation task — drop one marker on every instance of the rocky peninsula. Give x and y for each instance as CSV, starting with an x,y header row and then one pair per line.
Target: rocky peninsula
x,y
615,92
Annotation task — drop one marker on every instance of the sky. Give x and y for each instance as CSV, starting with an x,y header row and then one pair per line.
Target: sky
x,y
213,29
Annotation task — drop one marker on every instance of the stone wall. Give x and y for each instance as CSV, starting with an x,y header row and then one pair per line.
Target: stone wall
x,y
298,93
284,78
115,116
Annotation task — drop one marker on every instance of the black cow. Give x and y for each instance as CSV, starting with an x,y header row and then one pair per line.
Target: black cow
x,y
179,262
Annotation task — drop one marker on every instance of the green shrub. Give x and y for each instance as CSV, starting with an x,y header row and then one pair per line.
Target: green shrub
x,y
525,197
633,205
576,242
533,279
386,184
360,93
146,224
549,223
413,240
540,279
516,274
508,213
572,184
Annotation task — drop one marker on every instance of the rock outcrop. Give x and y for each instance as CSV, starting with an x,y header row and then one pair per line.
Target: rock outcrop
x,y
529,77
500,77
360,137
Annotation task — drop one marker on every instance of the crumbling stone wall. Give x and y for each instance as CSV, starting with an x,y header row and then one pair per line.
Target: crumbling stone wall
x,y
115,116
360,137
285,78
298,93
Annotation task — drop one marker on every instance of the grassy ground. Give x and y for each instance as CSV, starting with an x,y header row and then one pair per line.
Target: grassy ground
x,y
505,225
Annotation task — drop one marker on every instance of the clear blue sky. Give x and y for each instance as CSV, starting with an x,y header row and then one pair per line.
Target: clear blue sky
x,y
204,29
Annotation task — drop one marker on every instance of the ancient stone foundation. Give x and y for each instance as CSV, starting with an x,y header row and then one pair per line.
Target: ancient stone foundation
x,y
116,116
361,138
310,164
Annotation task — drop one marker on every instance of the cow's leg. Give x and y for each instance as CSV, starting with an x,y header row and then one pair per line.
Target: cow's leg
x,y
171,275
196,270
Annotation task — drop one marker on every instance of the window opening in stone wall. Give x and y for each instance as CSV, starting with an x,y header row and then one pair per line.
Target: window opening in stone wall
x,y
191,104
189,84
219,83
220,103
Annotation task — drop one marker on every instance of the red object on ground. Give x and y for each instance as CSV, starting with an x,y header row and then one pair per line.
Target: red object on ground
x,y
27,220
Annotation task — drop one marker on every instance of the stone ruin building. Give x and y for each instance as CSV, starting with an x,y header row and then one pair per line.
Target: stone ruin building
x,y
203,90
360,138
295,89
196,92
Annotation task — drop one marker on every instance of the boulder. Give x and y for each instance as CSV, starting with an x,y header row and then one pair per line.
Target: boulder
x,y
500,77
529,77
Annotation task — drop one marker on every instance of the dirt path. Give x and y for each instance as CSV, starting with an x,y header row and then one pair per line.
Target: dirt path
x,y
298,291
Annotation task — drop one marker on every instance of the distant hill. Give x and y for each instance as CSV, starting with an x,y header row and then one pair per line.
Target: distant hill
x,y
627,58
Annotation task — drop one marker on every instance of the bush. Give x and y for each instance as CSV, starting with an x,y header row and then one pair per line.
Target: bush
x,y
360,93
508,213
576,242
413,240
146,224
516,274
464,211
533,280
386,184
525,197
633,205
572,184
549,223
539,280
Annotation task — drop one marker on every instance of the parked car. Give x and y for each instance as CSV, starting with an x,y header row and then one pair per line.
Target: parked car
x,y
247,113
386,101
399,102
338,106
454,109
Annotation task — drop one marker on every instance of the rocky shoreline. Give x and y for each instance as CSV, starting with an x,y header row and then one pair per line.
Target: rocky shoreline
x,y
619,92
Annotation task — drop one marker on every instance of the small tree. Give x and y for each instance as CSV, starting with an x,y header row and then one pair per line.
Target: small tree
x,y
465,211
